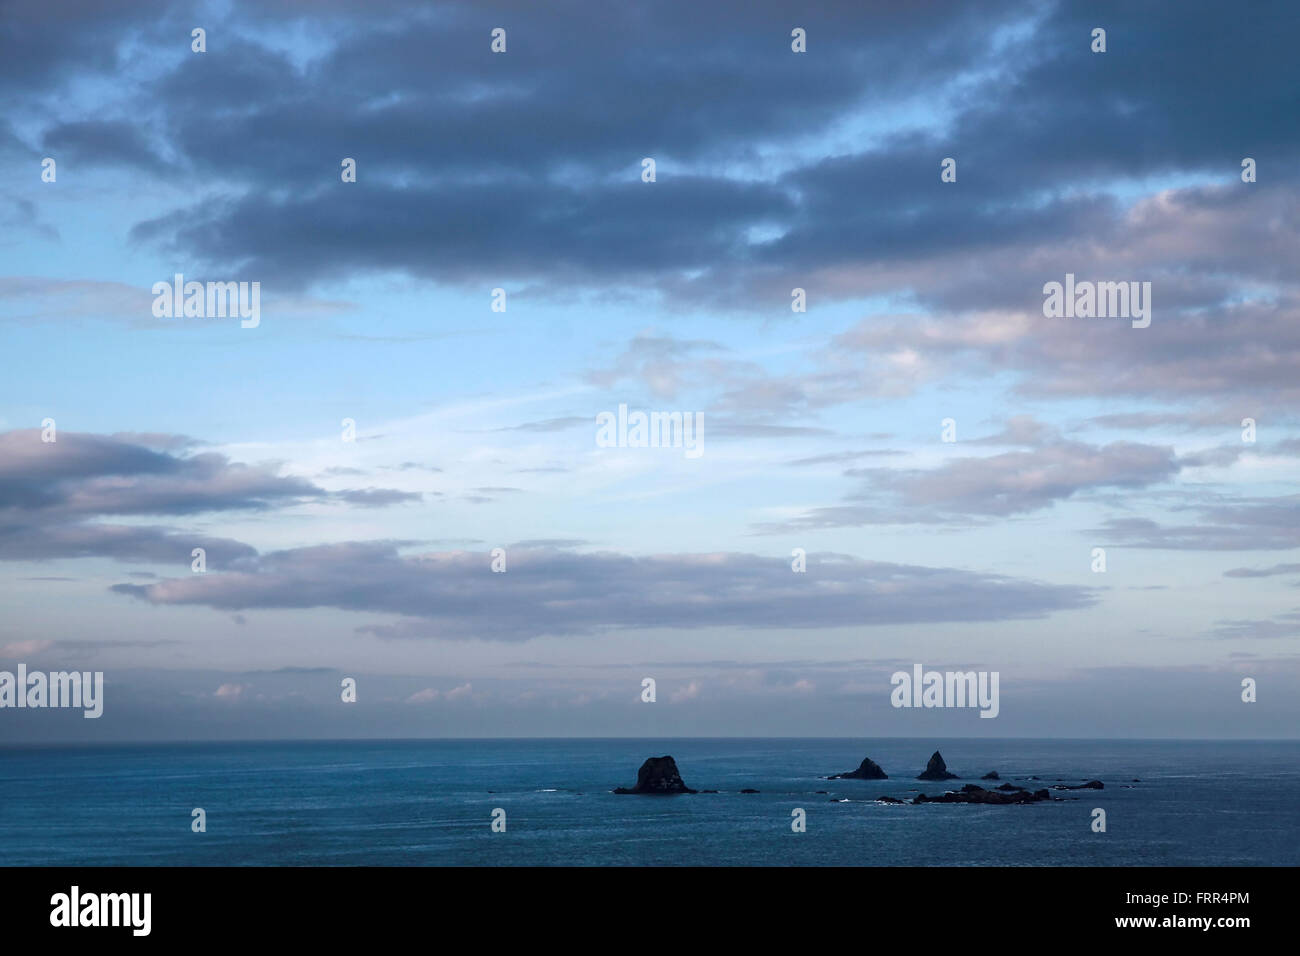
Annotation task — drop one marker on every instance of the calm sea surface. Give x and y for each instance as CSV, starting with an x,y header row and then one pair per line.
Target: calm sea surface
x,y
423,803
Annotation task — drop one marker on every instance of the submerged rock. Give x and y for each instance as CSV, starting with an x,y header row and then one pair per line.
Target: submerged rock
x,y
658,775
748,791
973,794
867,770
936,769
888,800
1090,785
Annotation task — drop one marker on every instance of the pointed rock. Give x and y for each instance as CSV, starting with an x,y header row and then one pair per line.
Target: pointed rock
x,y
936,769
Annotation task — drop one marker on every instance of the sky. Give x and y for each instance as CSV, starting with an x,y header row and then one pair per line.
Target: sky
x,y
438,339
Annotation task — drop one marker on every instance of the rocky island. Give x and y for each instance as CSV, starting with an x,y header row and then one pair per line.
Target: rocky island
x,y
867,770
658,776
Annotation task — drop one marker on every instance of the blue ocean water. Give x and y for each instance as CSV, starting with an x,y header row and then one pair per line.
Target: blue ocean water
x,y
430,803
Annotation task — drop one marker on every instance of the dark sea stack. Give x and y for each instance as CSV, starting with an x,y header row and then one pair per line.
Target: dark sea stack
x,y
936,769
991,775
658,776
867,770
1090,785
973,794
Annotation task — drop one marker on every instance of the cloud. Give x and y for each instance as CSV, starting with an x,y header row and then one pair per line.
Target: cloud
x,y
842,457
103,142
82,474
55,496
549,424
430,694
690,692
1014,482
548,591
24,648
1262,572
1284,625
1246,524
378,497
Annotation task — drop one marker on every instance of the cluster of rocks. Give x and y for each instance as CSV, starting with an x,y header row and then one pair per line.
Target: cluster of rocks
x,y
659,776
974,794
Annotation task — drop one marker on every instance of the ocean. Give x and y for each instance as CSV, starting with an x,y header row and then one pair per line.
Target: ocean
x,y
431,803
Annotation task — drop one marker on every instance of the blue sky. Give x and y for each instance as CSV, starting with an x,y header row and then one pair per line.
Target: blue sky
x,y
822,430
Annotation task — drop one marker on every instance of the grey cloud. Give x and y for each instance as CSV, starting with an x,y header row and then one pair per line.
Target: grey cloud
x,y
1262,572
1023,430
548,425
558,592
36,541
109,142
1284,625
841,457
1261,524
1000,485
24,218
377,497
55,496
83,474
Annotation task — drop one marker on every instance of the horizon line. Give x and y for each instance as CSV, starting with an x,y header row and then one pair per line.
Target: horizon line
x,y
35,745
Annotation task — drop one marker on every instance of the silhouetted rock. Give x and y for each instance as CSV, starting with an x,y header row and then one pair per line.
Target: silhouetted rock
x,y
936,769
1090,785
867,770
658,775
1010,786
991,775
973,794
888,800
748,791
